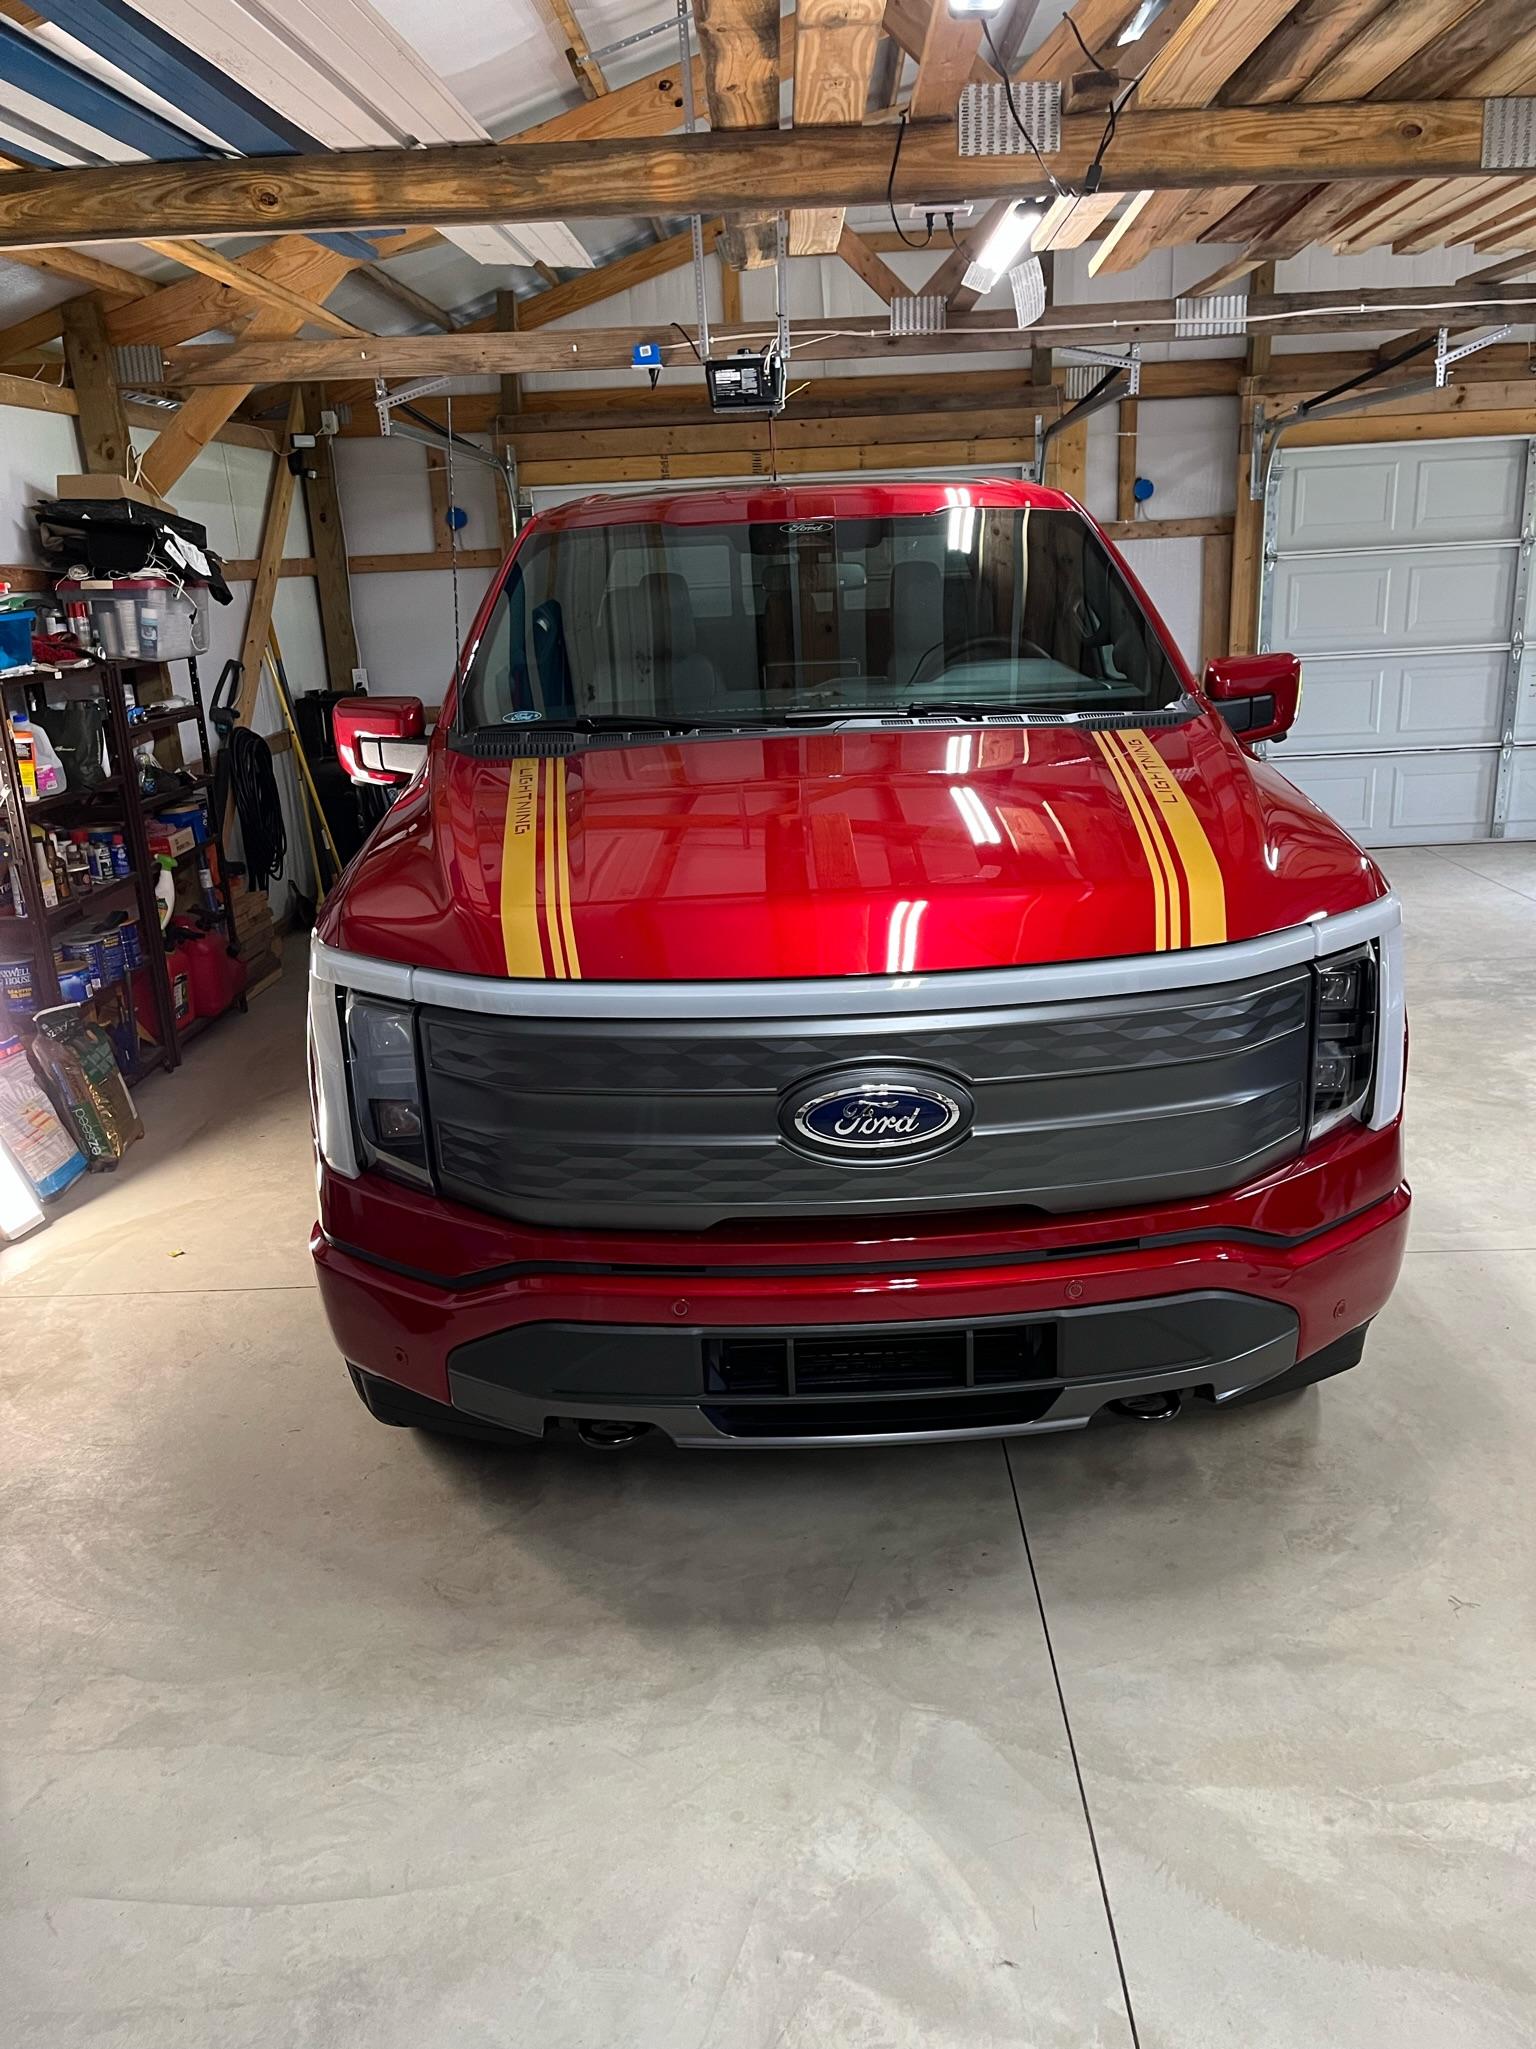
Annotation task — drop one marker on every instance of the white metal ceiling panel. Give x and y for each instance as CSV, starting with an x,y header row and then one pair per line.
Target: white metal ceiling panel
x,y
348,78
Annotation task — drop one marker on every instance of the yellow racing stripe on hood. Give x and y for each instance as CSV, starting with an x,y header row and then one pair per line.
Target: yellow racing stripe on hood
x,y
1192,849
558,798
1165,896
520,873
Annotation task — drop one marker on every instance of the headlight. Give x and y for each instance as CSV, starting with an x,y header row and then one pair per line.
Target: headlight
x,y
386,1086
1344,992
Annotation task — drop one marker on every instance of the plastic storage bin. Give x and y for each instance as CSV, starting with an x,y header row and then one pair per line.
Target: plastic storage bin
x,y
144,618
16,639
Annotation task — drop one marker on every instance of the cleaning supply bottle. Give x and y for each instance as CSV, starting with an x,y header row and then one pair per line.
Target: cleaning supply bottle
x,y
165,888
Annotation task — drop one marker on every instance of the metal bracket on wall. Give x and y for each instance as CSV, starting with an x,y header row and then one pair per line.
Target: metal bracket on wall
x,y
1349,397
1446,356
1105,390
696,223
385,400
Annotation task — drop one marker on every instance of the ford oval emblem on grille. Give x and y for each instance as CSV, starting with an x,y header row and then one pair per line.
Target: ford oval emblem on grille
x,y
882,1116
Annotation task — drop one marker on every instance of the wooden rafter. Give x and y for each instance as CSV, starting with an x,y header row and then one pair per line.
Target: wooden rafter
x,y
865,264
82,267
102,420
1472,47
739,46
1198,57
1310,36
178,444
1098,23
835,45
267,291
946,58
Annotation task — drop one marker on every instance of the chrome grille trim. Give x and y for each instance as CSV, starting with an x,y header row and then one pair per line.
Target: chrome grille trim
x,y
830,996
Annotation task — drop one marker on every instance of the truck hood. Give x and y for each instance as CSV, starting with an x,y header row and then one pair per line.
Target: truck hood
x,y
862,852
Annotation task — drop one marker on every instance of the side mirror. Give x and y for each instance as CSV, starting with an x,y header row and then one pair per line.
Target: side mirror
x,y
380,739
1257,695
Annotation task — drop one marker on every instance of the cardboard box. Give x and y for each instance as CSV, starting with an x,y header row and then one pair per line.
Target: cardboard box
x,y
111,487
172,840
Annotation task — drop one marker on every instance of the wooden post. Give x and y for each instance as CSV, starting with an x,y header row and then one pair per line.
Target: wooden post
x,y
1125,461
1215,595
730,294
102,422
1248,530
258,620
327,542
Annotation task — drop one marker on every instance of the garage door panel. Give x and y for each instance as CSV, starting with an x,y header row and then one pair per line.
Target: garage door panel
x,y
1345,703
1462,492
1462,596
1345,787
1402,800
1405,599
1402,491
1338,504
1448,699
1525,698
1394,571
1521,824
1322,605
1439,700
1440,796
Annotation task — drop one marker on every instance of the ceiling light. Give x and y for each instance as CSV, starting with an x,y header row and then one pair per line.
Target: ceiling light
x,y
963,7
1011,234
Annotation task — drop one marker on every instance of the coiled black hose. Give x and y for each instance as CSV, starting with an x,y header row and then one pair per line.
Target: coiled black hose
x,y
245,768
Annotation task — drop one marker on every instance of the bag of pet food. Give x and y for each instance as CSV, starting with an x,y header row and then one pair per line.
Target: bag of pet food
x,y
33,1135
76,1058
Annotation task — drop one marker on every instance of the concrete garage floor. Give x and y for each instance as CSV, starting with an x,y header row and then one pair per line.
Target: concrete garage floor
x,y
322,1736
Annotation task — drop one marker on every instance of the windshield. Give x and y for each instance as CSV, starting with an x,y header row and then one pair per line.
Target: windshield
x,y
974,609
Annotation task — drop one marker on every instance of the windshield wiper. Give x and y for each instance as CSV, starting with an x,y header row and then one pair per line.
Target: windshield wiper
x,y
961,708
596,722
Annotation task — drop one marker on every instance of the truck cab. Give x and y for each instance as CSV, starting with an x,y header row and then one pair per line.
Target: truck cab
x,y
833,976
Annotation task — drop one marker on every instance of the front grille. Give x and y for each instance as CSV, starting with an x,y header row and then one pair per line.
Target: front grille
x,y
879,1362
674,1125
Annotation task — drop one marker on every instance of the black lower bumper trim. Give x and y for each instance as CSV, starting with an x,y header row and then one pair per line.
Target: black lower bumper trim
x,y
987,1411
1065,1367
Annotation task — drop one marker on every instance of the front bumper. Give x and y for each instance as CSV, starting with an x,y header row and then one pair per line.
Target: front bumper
x,y
1218,1296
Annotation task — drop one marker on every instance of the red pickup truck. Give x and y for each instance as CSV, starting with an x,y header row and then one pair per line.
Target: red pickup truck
x,y
832,977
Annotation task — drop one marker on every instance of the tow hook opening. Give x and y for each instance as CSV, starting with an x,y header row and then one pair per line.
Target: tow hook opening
x,y
601,1436
1151,1408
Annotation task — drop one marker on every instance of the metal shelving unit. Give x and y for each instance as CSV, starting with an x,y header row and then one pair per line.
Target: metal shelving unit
x,y
118,802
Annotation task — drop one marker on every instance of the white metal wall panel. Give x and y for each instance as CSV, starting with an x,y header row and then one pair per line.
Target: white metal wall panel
x,y
1400,573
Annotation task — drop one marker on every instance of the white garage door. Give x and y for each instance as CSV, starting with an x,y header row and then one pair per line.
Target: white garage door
x,y
1399,572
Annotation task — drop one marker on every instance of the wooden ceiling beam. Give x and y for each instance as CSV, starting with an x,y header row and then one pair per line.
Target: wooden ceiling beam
x,y
269,361
1161,148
